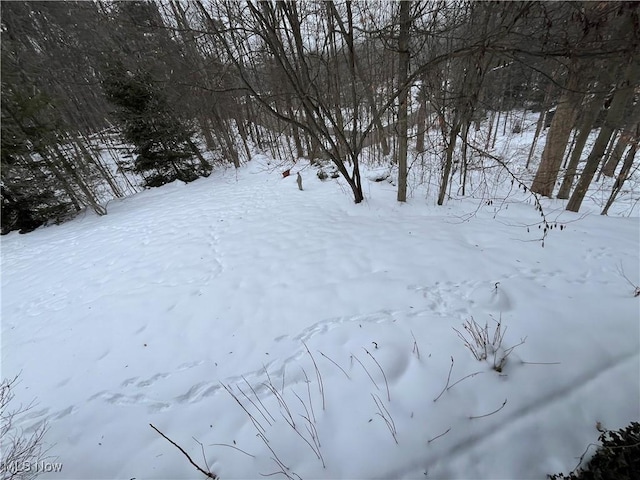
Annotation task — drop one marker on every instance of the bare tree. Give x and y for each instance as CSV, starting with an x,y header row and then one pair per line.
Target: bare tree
x,y
626,137
558,136
403,71
621,98
590,114
625,171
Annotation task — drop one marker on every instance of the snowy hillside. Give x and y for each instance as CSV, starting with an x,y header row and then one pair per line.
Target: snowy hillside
x,y
332,324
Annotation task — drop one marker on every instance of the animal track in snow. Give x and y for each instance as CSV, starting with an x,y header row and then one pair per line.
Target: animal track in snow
x,y
128,400
188,365
152,380
324,326
198,392
446,298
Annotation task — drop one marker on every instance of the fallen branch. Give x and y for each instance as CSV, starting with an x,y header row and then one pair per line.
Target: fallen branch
x,y
198,467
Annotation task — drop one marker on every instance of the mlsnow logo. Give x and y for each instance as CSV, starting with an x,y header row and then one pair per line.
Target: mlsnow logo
x,y
15,468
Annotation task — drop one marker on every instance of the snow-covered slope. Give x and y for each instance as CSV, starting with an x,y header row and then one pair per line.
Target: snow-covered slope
x,y
331,323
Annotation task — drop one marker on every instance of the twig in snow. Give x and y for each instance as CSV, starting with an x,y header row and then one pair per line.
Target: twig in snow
x,y
479,338
636,288
583,454
315,449
204,457
415,350
283,404
383,375
306,379
198,467
279,396
448,379
438,436
253,403
283,468
255,422
495,411
463,378
386,416
320,384
341,369
499,364
313,432
539,363
365,369
230,446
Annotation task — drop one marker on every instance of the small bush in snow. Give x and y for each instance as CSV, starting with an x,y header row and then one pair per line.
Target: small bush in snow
x,y
485,345
617,458
20,451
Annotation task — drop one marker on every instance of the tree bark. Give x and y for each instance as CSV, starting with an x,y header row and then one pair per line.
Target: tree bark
x,y
585,129
625,138
624,173
448,162
558,137
421,118
621,98
403,71
545,106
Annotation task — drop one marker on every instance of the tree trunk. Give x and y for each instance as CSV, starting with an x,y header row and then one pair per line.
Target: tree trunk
x,y
70,170
557,138
448,162
608,151
623,141
465,161
206,133
421,119
624,173
206,166
545,106
621,98
403,72
585,128
79,147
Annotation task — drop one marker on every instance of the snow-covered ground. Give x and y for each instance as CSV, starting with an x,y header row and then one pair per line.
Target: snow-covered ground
x,y
331,323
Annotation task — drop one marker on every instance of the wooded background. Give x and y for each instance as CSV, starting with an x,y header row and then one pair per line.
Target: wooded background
x,y
173,89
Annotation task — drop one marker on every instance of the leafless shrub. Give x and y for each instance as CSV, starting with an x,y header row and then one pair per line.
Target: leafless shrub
x,y
19,450
305,429
485,345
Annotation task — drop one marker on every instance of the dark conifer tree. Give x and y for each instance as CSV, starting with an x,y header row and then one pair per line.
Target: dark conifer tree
x,y
163,144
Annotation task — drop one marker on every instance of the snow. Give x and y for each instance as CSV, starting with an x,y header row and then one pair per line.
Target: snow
x,y
149,314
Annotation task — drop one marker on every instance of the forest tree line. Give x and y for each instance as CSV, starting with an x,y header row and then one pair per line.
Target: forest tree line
x,y
183,87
